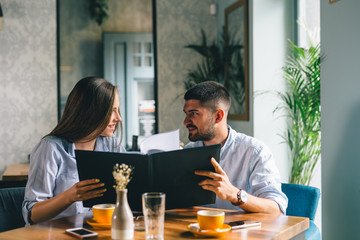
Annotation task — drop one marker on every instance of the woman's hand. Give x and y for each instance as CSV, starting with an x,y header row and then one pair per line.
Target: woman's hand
x,y
85,190
80,191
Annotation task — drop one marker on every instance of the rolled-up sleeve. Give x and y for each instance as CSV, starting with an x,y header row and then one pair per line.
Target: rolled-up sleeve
x,y
250,165
264,180
42,175
53,170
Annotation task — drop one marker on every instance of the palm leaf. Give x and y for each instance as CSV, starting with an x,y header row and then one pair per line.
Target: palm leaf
x,y
302,102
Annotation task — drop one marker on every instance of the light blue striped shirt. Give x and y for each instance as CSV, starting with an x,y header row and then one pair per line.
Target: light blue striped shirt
x,y
53,170
250,165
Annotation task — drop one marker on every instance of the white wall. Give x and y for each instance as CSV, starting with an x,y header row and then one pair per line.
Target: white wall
x,y
273,25
28,103
340,101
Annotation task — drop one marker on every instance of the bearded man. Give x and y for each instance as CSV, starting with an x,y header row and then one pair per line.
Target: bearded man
x,y
246,176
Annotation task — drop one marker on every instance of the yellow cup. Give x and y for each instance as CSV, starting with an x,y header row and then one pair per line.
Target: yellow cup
x,y
103,212
210,219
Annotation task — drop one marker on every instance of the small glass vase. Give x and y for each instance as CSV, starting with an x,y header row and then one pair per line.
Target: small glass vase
x,y
122,223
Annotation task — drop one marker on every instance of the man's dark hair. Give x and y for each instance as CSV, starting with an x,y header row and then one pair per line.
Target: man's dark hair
x,y
211,95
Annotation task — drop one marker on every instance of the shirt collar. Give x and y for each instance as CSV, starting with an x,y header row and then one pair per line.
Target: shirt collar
x,y
99,146
227,142
71,146
229,138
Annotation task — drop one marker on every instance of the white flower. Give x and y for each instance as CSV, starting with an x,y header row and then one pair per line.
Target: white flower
x,y
122,175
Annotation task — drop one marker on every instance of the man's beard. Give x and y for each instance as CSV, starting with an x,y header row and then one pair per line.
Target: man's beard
x,y
206,136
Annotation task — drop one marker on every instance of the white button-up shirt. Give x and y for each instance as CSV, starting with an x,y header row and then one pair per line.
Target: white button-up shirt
x,y
250,165
53,170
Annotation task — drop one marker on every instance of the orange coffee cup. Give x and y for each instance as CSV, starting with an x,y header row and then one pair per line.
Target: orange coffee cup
x,y
210,219
103,213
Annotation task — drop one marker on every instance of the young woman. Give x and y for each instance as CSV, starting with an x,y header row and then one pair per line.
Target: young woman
x,y
90,118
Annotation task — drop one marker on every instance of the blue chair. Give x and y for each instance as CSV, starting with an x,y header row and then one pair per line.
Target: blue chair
x,y
303,202
11,208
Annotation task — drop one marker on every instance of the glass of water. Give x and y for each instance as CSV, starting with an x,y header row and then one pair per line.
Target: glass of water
x,y
153,204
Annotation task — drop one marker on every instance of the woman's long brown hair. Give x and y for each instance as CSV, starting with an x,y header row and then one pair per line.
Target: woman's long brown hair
x,y
87,110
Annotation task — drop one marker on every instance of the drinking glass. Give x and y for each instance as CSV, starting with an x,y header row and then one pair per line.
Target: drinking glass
x,y
153,204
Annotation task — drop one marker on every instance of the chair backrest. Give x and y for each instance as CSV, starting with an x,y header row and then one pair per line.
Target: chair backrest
x,y
11,208
12,184
303,200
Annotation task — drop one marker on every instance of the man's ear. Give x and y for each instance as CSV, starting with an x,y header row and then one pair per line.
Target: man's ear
x,y
220,114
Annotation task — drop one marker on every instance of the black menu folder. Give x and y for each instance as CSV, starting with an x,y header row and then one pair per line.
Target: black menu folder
x,y
171,172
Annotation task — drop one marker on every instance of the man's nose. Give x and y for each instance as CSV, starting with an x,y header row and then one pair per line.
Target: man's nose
x,y
186,120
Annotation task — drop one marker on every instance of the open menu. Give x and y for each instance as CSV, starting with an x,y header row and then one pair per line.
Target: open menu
x,y
171,172
166,141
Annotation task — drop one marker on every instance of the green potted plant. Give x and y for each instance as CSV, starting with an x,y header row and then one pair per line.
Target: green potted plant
x,y
216,58
301,103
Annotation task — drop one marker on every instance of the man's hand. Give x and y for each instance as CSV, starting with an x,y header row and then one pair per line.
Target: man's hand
x,y
219,184
222,187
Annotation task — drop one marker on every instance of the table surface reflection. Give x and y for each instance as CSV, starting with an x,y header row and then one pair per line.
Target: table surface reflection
x,y
176,222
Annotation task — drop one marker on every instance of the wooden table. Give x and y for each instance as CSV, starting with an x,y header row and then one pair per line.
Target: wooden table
x,y
176,221
16,172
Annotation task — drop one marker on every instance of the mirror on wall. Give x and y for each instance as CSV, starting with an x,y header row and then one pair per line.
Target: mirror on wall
x,y
236,60
82,52
190,50
120,49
